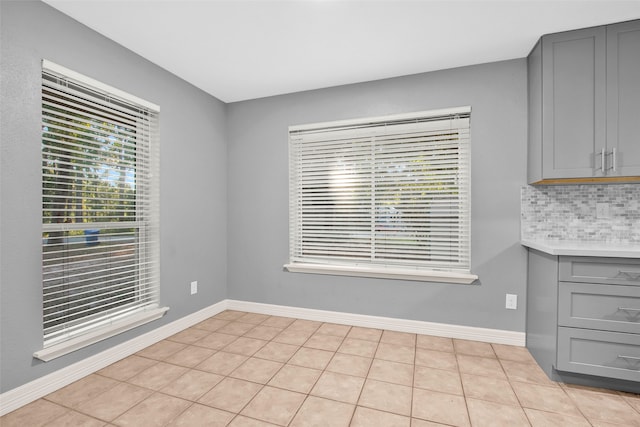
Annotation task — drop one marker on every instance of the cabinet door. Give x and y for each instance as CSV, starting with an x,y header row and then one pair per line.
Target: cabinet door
x,y
573,97
623,98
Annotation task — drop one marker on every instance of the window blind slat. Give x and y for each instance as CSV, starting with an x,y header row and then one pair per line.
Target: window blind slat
x,y
89,136
86,123
86,302
66,147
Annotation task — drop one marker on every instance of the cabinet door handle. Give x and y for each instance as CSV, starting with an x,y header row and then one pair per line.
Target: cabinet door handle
x,y
613,161
602,160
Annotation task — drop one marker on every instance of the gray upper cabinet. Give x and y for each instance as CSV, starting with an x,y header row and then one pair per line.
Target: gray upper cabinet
x,y
623,98
573,94
584,104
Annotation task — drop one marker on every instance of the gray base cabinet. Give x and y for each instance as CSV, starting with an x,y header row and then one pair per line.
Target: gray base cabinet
x,y
584,104
583,319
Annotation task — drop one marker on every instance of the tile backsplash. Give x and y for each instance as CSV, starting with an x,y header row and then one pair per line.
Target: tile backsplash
x,y
568,212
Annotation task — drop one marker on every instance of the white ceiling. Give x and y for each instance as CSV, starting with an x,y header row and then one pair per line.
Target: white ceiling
x,y
238,50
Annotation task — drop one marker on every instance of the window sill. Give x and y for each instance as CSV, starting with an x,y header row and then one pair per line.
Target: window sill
x,y
384,273
85,340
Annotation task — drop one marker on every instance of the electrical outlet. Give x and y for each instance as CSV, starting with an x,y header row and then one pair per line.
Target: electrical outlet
x,y
511,302
602,210
194,287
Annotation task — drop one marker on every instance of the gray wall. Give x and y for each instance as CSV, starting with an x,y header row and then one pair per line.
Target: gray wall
x,y
193,179
258,197
230,161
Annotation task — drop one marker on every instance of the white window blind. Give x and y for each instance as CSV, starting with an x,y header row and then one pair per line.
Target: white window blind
x,y
100,206
390,192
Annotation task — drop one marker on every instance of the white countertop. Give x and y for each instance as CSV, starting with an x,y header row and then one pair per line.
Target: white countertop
x,y
573,248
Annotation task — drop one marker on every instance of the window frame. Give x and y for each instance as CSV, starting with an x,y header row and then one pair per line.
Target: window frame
x,y
123,270
396,269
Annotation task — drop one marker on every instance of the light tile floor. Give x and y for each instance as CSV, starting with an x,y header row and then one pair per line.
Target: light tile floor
x,y
247,369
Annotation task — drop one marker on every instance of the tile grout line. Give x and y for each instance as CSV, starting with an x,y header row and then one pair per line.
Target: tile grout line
x,y
306,397
284,364
413,379
522,405
366,377
72,409
191,402
464,397
237,414
333,357
575,403
509,381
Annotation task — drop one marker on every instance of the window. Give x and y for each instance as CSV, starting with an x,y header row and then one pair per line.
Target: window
x,y
382,197
100,216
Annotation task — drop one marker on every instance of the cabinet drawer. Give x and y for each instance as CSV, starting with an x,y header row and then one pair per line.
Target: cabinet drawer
x,y
605,307
605,354
622,271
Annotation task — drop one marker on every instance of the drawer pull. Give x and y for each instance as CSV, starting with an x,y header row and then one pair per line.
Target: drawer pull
x,y
631,360
632,313
629,275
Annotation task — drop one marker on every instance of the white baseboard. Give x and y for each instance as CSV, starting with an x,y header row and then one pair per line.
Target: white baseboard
x,y
496,336
27,393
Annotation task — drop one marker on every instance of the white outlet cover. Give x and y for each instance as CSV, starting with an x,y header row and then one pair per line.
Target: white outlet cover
x,y
194,287
511,302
